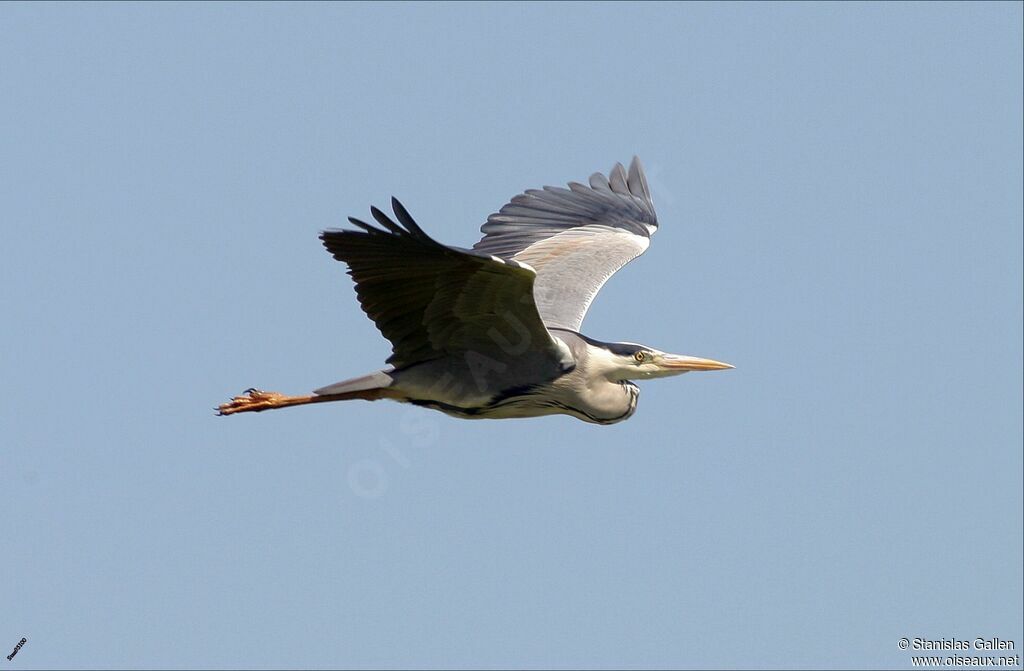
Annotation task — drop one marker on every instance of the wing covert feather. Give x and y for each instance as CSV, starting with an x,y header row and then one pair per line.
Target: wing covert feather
x,y
575,238
433,301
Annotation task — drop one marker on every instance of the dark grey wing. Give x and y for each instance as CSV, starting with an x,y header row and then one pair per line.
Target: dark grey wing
x,y
433,301
574,238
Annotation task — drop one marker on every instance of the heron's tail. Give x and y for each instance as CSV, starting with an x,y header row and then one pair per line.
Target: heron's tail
x,y
367,383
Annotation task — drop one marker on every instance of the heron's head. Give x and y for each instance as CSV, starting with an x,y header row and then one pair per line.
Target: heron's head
x,y
629,361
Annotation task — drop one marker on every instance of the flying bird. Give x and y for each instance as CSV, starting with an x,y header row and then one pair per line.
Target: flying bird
x,y
494,331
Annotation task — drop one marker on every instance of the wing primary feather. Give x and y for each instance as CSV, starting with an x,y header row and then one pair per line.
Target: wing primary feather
x,y
407,220
637,180
617,177
599,182
385,221
357,222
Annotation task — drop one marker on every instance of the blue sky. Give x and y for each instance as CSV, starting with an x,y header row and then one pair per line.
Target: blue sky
x,y
839,190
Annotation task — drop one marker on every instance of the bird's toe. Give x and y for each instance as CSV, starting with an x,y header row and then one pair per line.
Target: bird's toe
x,y
254,400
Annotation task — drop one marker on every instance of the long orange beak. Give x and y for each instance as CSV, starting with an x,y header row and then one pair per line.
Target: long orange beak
x,y
681,363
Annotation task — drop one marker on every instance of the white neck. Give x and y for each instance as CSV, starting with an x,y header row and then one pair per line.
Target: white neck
x,y
612,367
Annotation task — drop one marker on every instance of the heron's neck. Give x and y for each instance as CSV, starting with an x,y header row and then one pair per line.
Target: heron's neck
x,y
604,360
606,364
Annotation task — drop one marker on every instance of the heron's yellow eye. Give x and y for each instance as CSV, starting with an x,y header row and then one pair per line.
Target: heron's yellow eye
x,y
639,356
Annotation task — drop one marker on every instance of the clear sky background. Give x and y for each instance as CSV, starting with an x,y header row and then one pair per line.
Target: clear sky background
x,y
839,188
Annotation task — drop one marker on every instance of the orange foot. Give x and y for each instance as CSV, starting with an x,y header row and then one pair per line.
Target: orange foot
x,y
256,401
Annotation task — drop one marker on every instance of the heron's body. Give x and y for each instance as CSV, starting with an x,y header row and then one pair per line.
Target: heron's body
x,y
464,388
493,332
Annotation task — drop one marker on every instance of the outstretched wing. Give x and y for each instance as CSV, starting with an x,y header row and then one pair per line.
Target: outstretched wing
x,y
574,238
432,301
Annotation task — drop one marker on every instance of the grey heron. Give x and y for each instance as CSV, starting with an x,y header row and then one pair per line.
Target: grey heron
x,y
494,331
